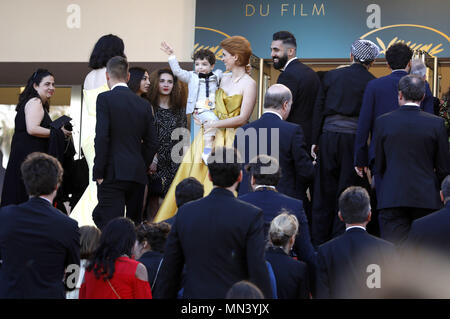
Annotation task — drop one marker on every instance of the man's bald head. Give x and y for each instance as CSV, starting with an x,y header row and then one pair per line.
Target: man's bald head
x,y
276,96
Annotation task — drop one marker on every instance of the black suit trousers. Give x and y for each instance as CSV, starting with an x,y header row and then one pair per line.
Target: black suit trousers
x,y
395,222
335,172
113,196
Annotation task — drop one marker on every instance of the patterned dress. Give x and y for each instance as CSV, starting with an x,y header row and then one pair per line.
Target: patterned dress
x,y
167,120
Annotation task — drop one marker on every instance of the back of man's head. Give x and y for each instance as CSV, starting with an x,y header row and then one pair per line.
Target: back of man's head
x,y
287,38
187,190
117,68
265,170
412,87
224,165
354,205
445,188
418,68
41,173
276,96
398,56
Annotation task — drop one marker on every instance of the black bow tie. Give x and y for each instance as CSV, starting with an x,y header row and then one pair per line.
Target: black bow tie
x,y
205,76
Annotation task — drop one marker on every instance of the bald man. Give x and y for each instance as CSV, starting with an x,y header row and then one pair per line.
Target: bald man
x,y
272,135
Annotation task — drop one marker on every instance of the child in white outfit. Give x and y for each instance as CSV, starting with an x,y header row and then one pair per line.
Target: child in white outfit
x,y
202,84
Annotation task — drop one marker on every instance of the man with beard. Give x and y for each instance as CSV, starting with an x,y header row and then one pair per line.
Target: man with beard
x,y
303,82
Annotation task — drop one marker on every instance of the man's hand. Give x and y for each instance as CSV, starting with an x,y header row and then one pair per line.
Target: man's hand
x,y
165,47
314,149
99,181
360,171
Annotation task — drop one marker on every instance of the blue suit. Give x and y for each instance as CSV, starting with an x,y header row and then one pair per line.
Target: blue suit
x,y
296,166
272,202
380,97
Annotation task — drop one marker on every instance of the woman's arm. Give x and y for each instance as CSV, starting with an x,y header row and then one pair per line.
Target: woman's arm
x,y
34,113
248,103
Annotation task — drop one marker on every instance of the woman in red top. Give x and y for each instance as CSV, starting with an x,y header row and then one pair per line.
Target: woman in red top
x,y
112,274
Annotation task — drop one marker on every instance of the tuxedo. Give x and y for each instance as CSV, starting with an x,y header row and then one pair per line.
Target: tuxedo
x,y
221,240
431,232
125,143
343,264
272,203
37,243
304,84
296,166
380,97
335,122
412,159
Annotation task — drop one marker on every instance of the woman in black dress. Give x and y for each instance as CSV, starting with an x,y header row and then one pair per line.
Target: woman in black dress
x,y
168,98
31,133
149,247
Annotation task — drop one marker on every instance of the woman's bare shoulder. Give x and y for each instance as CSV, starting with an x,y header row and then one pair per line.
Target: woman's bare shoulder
x,y
34,102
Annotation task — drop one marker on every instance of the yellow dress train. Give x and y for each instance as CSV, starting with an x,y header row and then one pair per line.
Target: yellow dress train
x,y
192,164
82,211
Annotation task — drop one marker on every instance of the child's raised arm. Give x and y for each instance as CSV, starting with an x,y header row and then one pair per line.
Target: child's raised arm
x,y
167,48
183,75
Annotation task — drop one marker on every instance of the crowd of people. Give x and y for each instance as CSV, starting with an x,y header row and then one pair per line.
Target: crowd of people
x,y
343,178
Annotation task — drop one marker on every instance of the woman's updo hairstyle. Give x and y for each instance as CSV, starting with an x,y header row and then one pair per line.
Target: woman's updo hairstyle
x,y
240,47
282,228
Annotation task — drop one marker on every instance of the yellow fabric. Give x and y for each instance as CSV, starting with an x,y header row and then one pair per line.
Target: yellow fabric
x,y
192,164
82,211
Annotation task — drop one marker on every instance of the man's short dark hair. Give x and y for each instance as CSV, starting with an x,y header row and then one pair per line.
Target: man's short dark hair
x,y
41,174
205,54
445,187
117,67
285,36
187,190
354,205
256,169
224,165
398,55
412,87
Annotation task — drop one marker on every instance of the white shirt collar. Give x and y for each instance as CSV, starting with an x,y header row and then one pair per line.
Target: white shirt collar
x,y
273,112
287,63
355,227
412,103
265,186
119,84
46,199
398,70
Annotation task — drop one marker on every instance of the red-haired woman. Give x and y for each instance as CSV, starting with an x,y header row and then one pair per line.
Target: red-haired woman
x,y
235,100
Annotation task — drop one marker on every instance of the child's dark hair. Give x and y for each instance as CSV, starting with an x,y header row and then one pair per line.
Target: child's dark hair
x,y
205,54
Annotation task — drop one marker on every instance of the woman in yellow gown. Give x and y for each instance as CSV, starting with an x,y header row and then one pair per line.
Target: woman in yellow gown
x,y
235,100
94,84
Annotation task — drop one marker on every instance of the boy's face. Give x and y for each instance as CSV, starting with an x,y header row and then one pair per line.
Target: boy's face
x,y
203,66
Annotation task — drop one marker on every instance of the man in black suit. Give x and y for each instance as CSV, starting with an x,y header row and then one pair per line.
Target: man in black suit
x,y
272,202
432,231
353,264
335,122
272,135
37,241
219,237
125,143
303,82
412,158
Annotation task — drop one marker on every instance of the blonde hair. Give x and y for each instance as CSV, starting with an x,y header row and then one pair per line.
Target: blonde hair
x,y
282,228
240,47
